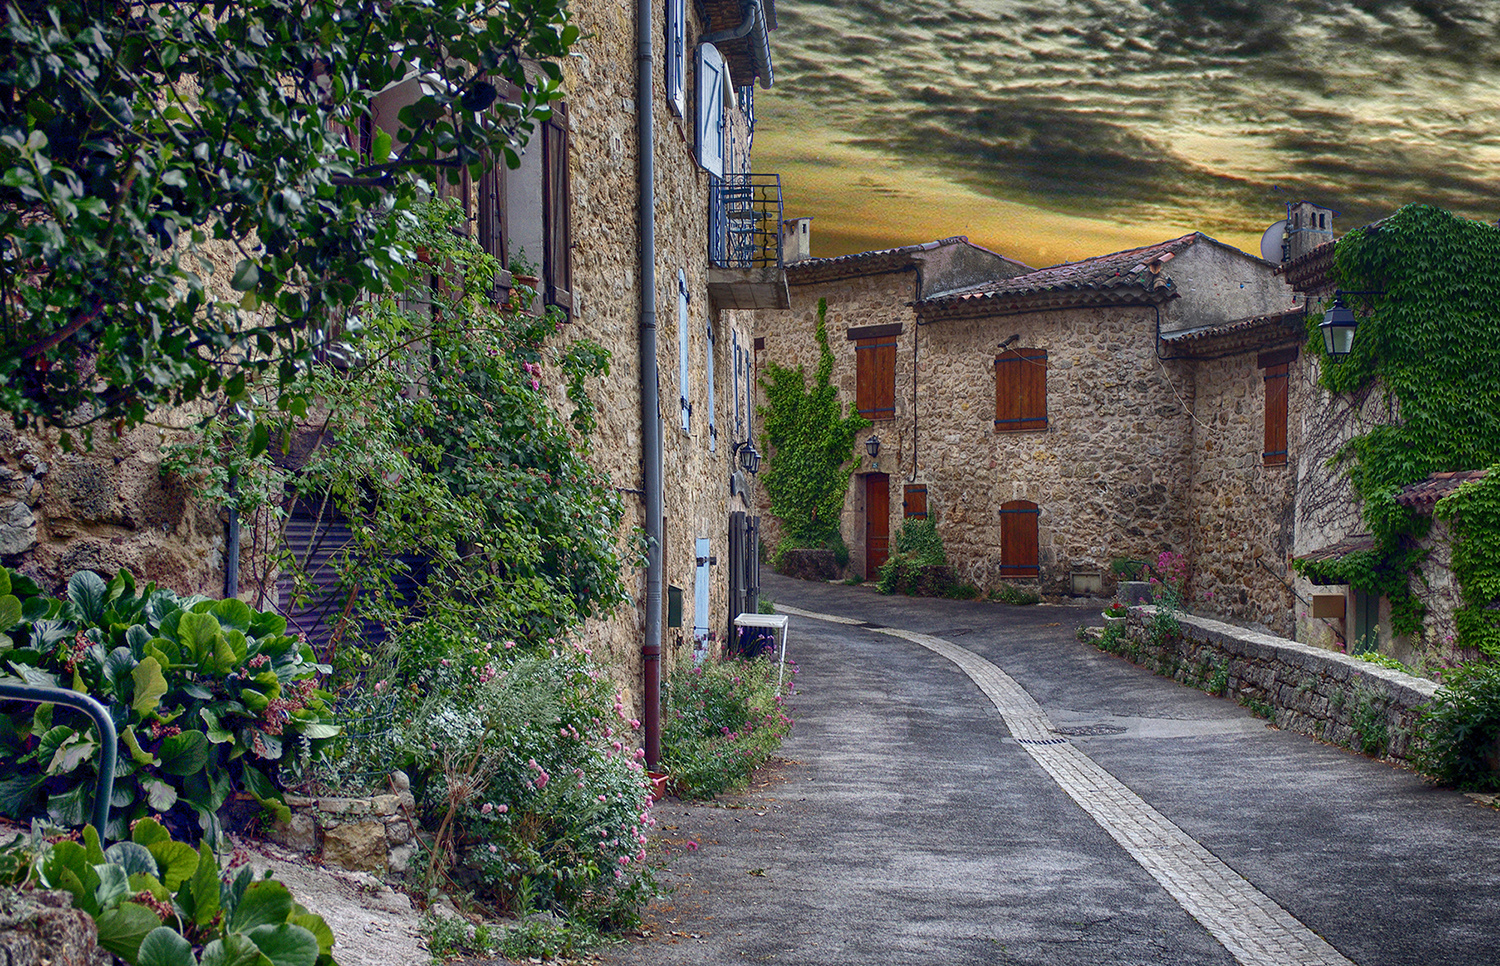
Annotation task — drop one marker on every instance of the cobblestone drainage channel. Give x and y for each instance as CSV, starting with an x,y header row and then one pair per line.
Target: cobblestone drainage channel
x,y
1250,925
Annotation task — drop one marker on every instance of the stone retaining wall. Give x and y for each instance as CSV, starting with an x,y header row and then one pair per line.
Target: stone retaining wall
x,y
360,834
1328,695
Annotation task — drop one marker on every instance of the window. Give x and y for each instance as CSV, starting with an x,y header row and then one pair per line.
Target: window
x,y
1018,539
1276,370
557,268
710,117
677,56
683,368
875,376
1020,390
914,501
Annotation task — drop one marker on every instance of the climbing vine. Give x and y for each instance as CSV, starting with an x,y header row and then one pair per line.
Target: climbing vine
x,y
1475,514
812,441
1426,342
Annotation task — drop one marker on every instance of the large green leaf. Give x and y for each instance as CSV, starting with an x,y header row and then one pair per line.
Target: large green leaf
x,y
149,832
159,795
150,686
75,751
137,754
117,667
114,884
286,944
133,858
233,950
87,591
266,902
18,793
71,807
314,924
233,613
199,635
123,929
4,581
176,860
164,946
10,611
185,753
216,732
199,895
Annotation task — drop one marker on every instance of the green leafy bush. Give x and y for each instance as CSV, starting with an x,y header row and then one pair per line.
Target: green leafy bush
x,y
722,720
207,696
1011,594
919,563
1458,732
160,902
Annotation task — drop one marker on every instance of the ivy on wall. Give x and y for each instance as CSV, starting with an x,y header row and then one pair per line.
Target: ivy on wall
x,y
812,442
1427,342
1474,512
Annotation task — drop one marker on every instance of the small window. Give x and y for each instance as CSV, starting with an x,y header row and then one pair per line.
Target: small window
x,y
875,377
684,397
710,123
677,56
1018,539
914,501
1276,378
1021,390
557,266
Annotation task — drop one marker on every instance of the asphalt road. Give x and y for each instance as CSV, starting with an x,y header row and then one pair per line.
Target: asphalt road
x,y
911,824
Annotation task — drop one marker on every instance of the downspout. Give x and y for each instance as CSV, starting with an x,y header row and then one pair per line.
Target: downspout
x,y
760,43
232,541
650,404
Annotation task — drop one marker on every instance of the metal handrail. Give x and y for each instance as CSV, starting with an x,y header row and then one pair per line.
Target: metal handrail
x,y
108,738
745,212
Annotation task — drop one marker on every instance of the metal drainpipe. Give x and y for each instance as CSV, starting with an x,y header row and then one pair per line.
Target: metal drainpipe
x,y
755,20
232,543
650,408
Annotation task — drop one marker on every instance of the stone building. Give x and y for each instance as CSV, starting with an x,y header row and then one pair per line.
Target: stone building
x,y
647,251
1053,421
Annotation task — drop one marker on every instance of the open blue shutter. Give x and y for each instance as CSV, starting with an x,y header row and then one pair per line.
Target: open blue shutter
x,y
677,56
711,110
684,396
700,589
713,431
734,367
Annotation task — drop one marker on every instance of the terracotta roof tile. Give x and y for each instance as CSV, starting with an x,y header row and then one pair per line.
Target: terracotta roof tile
x,y
1423,496
880,260
1337,551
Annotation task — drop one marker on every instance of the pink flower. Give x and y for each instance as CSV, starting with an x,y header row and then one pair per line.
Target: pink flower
x,y
692,846
542,779
492,848
486,809
503,809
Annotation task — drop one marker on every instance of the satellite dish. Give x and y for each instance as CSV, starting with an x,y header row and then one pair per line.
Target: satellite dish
x,y
1270,242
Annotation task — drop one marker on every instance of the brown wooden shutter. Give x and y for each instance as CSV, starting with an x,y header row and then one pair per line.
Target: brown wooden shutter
x,y
1021,390
1276,397
875,375
491,219
914,501
1018,539
556,206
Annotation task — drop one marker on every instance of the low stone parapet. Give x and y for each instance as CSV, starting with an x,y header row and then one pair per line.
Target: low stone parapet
x,y
371,834
1325,694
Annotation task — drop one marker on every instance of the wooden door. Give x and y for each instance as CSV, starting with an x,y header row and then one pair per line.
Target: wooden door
x,y
877,522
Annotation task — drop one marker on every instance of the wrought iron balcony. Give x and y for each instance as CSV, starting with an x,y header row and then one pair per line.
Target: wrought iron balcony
x,y
745,242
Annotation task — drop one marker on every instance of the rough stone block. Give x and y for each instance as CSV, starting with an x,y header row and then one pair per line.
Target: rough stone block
x,y
43,929
359,846
300,832
810,564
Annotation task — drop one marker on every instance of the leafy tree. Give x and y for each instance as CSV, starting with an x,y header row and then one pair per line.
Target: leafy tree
x,y
133,134
812,443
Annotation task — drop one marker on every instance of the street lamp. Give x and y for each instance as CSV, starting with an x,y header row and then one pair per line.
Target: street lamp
x,y
872,446
1338,329
748,457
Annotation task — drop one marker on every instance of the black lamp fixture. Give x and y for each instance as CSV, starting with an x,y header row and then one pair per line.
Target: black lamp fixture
x,y
748,457
1338,327
1339,323
872,446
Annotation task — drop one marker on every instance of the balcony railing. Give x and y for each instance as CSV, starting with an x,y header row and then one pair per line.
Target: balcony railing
x,y
745,221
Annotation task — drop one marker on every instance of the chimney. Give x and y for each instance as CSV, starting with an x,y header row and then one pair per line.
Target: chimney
x,y
796,239
1307,226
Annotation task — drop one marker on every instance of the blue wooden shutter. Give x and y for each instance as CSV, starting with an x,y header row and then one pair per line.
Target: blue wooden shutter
x,y
713,431
677,56
684,397
710,126
700,589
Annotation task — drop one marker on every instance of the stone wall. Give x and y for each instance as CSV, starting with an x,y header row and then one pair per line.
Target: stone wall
x,y
1242,510
1301,688
371,834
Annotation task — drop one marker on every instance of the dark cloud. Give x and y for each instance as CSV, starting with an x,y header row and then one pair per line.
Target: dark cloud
x,y
1221,108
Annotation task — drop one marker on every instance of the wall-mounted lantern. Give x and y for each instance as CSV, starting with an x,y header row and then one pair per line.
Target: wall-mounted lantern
x,y
748,457
1338,329
872,446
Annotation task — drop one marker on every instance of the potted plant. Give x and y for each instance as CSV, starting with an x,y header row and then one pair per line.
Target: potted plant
x,y
1115,613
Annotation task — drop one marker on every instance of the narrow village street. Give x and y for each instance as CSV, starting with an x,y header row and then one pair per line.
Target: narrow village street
x,y
1101,816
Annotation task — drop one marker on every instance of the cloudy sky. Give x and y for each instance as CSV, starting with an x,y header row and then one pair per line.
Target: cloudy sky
x,y
1051,130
